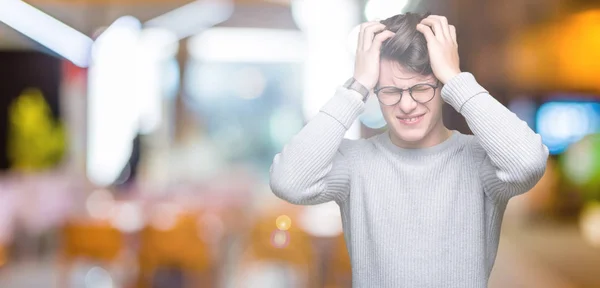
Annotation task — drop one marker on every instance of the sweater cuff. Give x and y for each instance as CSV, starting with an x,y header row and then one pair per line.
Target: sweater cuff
x,y
344,106
460,89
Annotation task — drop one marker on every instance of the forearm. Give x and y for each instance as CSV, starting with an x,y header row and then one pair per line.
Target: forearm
x,y
311,169
516,152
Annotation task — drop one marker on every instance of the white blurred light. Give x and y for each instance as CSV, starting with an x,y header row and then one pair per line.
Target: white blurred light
x,y
247,45
155,48
194,17
99,204
284,124
158,43
128,217
353,40
113,115
49,32
326,25
98,278
324,72
251,83
383,9
314,15
126,86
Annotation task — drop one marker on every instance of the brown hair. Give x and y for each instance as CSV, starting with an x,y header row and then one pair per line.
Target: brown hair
x,y
408,47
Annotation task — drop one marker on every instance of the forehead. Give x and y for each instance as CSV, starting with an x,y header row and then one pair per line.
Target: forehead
x,y
392,73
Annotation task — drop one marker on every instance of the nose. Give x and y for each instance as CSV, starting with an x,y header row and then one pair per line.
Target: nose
x,y
407,104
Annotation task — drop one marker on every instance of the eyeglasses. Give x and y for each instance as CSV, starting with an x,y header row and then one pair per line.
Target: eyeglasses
x,y
420,93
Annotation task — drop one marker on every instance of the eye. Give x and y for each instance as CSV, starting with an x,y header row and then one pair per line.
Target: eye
x,y
421,88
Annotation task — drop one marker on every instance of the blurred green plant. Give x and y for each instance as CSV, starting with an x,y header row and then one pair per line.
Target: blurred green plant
x,y
36,141
581,166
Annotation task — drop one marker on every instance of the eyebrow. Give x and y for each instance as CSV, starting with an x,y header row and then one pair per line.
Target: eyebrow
x,y
421,83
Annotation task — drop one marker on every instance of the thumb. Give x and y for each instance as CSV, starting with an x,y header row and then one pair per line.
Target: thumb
x,y
380,38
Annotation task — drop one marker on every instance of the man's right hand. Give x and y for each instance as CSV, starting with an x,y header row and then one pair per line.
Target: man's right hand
x,y
366,66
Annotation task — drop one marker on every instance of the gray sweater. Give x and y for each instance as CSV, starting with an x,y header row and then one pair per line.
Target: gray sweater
x,y
415,217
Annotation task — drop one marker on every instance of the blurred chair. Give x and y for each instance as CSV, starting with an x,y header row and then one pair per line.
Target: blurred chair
x,y
178,248
296,252
97,241
338,266
3,256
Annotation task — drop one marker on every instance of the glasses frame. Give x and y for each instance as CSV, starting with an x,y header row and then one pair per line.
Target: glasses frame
x,y
409,89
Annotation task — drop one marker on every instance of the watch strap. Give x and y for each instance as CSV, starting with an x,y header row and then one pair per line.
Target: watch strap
x,y
356,86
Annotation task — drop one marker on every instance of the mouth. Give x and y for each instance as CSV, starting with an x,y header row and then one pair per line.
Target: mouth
x,y
412,120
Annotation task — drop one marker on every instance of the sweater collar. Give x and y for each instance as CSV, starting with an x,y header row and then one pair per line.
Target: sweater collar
x,y
385,140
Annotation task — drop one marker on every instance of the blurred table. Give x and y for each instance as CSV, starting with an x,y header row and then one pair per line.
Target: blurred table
x,y
545,255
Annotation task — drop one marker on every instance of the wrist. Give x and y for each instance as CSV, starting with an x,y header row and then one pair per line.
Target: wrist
x,y
355,85
449,75
362,81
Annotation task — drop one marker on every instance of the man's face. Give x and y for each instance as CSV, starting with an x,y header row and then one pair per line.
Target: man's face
x,y
410,133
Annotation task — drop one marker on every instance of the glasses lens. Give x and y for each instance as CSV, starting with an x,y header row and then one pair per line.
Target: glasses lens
x,y
423,93
389,95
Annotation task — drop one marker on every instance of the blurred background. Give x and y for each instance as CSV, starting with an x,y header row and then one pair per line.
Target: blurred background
x,y
136,137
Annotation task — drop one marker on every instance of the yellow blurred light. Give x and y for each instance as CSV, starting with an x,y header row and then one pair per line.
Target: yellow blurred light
x,y
577,50
561,55
283,222
589,223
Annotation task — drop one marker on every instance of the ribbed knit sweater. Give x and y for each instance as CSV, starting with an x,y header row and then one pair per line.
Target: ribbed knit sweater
x,y
427,217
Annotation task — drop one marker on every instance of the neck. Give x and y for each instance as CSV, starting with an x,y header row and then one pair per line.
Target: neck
x,y
437,135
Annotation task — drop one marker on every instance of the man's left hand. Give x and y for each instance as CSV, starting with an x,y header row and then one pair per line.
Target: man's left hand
x,y
442,46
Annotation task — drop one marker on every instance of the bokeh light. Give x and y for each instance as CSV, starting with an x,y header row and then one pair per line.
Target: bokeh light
x,y
581,165
561,123
127,217
382,9
280,239
99,204
283,222
98,278
590,224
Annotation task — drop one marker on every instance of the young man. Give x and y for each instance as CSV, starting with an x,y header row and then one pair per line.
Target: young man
x,y
421,205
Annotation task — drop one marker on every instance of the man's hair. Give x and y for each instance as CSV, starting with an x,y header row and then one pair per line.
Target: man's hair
x,y
408,47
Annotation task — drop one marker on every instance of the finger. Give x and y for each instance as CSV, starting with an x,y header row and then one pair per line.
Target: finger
x,y
444,23
380,38
361,34
426,30
370,34
453,34
436,27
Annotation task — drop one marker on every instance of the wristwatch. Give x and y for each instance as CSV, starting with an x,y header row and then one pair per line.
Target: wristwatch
x,y
356,86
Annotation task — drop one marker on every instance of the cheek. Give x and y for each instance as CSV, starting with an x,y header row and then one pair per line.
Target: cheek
x,y
435,108
387,111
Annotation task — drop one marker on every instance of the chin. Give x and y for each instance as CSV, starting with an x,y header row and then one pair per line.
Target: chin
x,y
411,136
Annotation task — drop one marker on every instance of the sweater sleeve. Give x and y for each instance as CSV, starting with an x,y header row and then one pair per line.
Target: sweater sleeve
x,y
315,166
515,157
